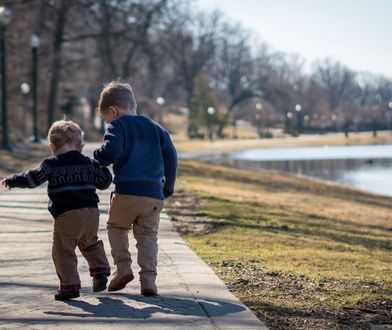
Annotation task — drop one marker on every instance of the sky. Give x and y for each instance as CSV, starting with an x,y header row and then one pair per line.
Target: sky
x,y
357,33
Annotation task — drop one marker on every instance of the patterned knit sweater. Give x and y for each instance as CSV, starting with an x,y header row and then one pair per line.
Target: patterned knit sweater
x,y
72,181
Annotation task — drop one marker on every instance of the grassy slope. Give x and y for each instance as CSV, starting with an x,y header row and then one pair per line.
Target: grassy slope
x,y
300,253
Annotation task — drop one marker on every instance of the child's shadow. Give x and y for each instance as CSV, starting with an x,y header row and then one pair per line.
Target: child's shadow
x,y
107,308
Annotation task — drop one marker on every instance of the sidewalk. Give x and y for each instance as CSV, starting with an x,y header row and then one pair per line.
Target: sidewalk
x,y
191,296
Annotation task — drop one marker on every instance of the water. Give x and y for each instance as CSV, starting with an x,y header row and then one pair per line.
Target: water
x,y
364,167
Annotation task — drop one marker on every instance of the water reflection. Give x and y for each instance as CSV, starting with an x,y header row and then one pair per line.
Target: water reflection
x,y
365,167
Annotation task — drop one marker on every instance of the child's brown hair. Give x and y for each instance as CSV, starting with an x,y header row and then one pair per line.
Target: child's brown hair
x,y
118,94
65,131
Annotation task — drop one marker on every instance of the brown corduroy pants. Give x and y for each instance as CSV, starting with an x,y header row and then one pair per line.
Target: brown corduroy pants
x,y
77,228
141,214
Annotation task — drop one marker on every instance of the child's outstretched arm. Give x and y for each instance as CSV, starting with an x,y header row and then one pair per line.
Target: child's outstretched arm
x,y
29,179
112,147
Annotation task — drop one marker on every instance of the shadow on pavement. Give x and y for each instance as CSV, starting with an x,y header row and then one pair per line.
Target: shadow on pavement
x,y
110,307
122,306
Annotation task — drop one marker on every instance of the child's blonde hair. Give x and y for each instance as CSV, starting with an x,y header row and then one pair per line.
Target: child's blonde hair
x,y
65,131
119,94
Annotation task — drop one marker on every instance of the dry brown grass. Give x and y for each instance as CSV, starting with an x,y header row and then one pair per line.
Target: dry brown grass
x,y
289,246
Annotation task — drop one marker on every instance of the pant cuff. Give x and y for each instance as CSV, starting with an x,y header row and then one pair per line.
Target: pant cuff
x,y
75,287
97,271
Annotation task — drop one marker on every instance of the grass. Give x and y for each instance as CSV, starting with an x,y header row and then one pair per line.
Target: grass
x,y
300,253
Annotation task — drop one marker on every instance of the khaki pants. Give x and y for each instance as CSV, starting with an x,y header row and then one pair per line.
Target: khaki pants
x,y
77,228
141,214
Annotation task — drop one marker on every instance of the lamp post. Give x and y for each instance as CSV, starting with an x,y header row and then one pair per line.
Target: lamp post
x,y
259,118
5,19
25,90
34,43
335,122
160,101
306,121
210,113
289,116
298,109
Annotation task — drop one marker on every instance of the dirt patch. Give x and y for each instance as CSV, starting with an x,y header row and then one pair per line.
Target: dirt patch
x,y
182,209
283,301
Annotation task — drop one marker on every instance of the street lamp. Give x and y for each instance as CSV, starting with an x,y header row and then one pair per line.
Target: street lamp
x,y
335,119
34,43
259,118
298,109
210,112
160,101
289,116
307,121
25,90
5,19
259,106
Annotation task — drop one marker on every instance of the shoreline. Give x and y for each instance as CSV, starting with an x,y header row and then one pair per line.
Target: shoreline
x,y
220,157
300,176
184,145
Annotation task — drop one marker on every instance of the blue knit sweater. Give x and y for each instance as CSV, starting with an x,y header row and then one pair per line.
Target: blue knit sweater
x,y
143,156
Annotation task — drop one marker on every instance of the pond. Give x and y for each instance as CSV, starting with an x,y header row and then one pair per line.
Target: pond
x,y
364,167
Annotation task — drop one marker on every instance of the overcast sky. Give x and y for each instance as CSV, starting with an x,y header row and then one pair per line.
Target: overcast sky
x,y
356,32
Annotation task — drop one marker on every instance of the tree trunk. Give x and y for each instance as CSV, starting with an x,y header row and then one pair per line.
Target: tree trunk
x,y
56,63
223,123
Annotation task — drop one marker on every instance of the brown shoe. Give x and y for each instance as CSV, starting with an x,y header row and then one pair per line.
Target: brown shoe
x,y
120,280
148,287
148,293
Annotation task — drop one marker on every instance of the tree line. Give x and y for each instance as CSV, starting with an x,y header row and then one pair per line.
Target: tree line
x,y
178,57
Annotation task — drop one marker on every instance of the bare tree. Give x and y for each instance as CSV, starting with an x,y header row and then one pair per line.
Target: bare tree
x,y
191,44
232,70
283,87
61,10
338,82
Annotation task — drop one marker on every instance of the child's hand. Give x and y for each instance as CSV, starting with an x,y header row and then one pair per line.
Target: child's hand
x,y
4,183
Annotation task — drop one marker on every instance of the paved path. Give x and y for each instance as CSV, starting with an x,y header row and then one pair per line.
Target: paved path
x,y
191,296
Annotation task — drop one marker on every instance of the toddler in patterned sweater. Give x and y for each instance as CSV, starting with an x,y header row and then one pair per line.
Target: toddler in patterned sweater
x,y
72,181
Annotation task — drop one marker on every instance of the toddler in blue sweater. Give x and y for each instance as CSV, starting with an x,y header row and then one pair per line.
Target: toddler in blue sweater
x,y
144,164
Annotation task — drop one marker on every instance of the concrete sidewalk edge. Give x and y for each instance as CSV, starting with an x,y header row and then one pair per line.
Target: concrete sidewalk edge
x,y
203,284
